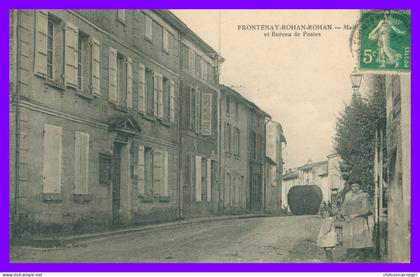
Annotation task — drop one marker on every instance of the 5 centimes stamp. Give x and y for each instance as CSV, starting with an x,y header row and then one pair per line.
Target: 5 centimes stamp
x,y
384,37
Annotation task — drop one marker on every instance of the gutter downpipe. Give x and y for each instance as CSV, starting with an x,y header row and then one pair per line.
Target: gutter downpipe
x,y
264,169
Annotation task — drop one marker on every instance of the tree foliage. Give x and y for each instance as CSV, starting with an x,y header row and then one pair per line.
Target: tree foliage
x,y
355,134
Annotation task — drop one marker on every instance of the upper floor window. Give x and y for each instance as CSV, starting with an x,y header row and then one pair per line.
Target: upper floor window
x,y
165,40
50,49
121,15
227,105
203,69
191,61
149,30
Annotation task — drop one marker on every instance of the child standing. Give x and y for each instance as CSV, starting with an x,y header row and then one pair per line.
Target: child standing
x,y
327,237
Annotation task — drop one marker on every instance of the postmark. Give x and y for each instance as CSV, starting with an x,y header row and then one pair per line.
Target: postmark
x,y
384,38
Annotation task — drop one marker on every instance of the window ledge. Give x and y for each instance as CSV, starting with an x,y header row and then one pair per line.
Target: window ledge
x,y
120,108
148,39
146,198
52,197
84,95
55,84
149,117
164,198
82,198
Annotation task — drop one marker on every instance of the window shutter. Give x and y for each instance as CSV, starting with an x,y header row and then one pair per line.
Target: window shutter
x,y
160,96
165,174
96,67
206,115
52,159
192,108
149,27
121,15
71,46
198,111
155,93
198,178
113,75
129,83
142,89
157,171
41,30
208,180
172,101
141,173
165,39
191,61
81,163
226,138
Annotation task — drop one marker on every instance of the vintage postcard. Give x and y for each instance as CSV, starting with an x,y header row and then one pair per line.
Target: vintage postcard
x,y
204,136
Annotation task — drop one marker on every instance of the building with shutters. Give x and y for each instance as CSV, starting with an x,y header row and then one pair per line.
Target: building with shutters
x,y
199,90
95,112
242,153
274,167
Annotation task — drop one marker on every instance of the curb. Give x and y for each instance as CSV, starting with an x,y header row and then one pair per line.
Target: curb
x,y
76,240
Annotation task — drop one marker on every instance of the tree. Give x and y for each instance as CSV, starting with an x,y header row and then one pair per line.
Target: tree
x,y
355,133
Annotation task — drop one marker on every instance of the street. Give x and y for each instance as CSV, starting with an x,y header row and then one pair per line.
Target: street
x,y
262,239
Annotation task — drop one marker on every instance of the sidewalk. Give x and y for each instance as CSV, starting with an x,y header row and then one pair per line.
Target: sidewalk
x,y
54,241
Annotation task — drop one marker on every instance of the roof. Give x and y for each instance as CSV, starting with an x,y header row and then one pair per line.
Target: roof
x,y
225,89
180,25
312,165
290,175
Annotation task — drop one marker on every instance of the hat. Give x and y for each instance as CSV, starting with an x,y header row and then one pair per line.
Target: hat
x,y
353,180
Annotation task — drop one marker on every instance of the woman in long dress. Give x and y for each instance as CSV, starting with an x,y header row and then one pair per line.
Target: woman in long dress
x,y
357,237
381,33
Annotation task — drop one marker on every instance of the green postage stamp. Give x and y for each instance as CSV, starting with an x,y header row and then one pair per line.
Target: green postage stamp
x,y
385,38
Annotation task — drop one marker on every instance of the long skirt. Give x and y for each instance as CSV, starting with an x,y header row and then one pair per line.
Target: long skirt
x,y
356,233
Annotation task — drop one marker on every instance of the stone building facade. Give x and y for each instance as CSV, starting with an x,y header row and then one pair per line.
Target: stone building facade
x,y
242,153
95,117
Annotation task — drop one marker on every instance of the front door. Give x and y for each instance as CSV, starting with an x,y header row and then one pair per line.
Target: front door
x,y
116,177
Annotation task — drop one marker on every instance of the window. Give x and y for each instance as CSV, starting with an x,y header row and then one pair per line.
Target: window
x,y
191,61
96,67
81,163
236,110
206,113
198,111
79,62
52,159
121,15
142,89
148,170
254,145
203,69
160,173
236,141
120,76
113,75
227,105
192,109
141,170
50,50
49,54
198,179
227,193
227,137
165,40
129,87
149,24
172,101
157,95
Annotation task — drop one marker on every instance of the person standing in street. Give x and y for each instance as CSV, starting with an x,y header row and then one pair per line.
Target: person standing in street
x,y
357,238
327,237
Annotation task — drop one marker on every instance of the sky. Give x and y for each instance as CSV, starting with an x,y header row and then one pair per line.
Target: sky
x,y
302,82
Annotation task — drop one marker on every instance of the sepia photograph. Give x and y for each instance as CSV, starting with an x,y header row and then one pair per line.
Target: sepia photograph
x,y
209,136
